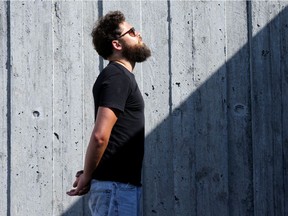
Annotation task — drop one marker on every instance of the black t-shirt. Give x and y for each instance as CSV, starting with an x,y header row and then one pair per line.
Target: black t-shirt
x,y
116,88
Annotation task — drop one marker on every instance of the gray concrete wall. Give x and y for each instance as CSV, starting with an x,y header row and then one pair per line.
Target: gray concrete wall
x,y
216,92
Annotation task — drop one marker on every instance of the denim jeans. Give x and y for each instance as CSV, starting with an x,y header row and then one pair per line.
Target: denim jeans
x,y
114,199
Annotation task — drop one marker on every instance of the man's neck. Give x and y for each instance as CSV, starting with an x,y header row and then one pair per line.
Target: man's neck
x,y
128,65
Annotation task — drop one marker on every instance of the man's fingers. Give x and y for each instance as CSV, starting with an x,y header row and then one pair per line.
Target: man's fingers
x,y
83,191
80,186
79,173
75,183
72,192
77,193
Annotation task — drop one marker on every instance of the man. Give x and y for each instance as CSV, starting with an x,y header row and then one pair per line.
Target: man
x,y
113,160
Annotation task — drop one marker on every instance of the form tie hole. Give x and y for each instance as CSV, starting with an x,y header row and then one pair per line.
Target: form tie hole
x,y
36,114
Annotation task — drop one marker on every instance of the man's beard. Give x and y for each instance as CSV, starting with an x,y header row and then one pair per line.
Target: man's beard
x,y
136,53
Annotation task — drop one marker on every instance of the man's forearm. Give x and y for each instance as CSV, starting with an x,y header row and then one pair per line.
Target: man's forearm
x,y
104,123
94,152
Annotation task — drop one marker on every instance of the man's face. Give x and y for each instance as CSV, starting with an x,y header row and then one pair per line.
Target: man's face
x,y
133,49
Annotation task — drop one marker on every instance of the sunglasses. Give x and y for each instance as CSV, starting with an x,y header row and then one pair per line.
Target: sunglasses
x,y
131,32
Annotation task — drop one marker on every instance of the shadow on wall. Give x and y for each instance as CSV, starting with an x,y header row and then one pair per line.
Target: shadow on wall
x,y
80,207
225,149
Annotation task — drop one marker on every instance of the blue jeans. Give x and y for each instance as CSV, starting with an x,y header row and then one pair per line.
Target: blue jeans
x,y
114,199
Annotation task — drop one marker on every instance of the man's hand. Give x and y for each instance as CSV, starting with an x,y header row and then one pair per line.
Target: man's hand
x,y
81,185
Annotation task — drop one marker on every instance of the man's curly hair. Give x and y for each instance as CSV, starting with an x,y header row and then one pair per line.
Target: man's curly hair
x,y
105,31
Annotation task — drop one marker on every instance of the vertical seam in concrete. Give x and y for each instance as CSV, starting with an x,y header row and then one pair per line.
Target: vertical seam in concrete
x,y
282,35
53,14
141,30
100,14
169,19
250,38
83,91
227,101
193,116
8,69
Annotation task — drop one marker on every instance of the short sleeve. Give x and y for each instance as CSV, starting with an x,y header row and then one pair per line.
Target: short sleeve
x,y
115,90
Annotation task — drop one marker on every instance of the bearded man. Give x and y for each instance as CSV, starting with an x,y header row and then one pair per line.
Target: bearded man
x,y
113,161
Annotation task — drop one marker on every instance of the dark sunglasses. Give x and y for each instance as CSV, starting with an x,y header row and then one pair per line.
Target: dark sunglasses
x,y
131,32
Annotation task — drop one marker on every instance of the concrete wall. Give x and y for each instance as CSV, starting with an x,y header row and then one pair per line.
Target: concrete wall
x,y
216,92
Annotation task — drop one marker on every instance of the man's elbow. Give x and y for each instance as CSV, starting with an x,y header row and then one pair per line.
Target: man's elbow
x,y
100,139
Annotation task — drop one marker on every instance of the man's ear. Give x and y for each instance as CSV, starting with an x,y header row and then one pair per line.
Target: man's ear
x,y
116,44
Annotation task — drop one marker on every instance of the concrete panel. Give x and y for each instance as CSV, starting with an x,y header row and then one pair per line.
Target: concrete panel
x,y
31,108
182,88
239,110
268,21
4,157
209,104
68,102
91,65
284,95
158,161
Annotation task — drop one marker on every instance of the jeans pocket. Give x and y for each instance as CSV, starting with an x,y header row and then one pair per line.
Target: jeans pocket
x,y
99,202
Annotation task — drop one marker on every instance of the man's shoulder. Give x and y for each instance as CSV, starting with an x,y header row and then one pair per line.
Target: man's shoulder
x,y
111,68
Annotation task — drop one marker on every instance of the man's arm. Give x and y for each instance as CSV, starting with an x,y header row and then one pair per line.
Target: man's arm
x,y
105,120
